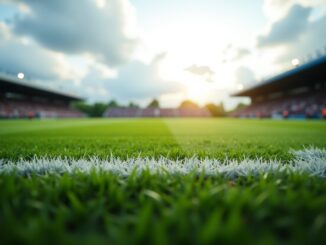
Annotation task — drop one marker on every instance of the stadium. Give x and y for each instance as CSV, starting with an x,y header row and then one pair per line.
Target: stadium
x,y
22,100
297,93
156,151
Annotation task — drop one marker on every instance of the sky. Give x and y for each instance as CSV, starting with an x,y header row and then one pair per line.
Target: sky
x,y
137,50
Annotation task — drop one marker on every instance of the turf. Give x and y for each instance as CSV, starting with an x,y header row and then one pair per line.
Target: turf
x,y
169,210
224,138
148,208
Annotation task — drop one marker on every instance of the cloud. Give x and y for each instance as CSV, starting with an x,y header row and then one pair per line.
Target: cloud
x,y
34,61
12,61
297,32
241,53
204,71
104,29
245,77
311,42
200,70
232,53
69,45
277,9
137,81
133,81
94,85
287,30
4,32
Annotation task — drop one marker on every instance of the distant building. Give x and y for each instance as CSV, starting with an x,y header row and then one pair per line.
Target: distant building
x,y
21,100
156,112
298,93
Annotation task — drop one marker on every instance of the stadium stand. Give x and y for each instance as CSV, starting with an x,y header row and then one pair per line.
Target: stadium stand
x,y
156,112
21,100
297,93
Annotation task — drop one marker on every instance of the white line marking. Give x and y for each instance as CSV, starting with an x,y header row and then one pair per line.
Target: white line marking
x,y
310,161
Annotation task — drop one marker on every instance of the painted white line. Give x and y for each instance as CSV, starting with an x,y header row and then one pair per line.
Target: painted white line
x,y
310,161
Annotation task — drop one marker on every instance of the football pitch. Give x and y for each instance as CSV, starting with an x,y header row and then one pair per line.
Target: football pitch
x,y
132,181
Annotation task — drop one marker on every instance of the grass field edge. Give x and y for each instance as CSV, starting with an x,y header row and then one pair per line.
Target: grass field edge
x,y
311,161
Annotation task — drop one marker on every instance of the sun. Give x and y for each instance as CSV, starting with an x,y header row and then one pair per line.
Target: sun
x,y
197,91
194,87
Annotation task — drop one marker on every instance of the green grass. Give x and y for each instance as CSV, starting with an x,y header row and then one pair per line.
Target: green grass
x,y
171,137
192,209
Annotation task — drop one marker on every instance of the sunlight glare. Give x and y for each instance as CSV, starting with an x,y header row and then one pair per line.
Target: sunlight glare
x,y
295,62
197,91
240,87
100,3
20,75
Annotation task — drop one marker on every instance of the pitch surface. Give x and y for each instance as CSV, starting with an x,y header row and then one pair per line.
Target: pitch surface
x,y
192,208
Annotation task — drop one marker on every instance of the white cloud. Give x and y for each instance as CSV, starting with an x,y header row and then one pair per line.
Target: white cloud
x,y
203,71
245,77
200,70
138,80
289,29
233,53
309,44
276,9
105,30
296,32
34,61
69,45
4,32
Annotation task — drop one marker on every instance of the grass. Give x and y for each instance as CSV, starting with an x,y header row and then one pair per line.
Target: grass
x,y
154,138
149,208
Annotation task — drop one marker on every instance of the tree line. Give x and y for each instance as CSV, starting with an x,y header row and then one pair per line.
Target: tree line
x,y
97,109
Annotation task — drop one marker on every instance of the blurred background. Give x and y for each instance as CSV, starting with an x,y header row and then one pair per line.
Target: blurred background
x,y
121,58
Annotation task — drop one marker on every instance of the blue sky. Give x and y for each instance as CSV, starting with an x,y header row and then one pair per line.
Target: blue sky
x,y
135,50
7,12
151,13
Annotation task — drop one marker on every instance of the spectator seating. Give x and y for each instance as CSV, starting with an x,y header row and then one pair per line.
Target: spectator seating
x,y
28,109
311,105
156,112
